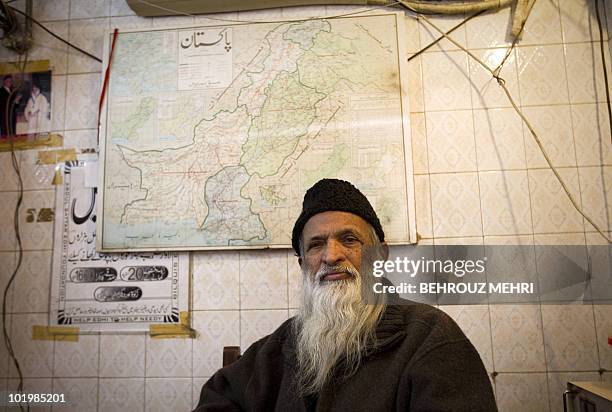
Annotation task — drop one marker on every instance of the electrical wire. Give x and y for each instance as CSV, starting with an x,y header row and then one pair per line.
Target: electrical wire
x,y
436,41
9,112
605,68
27,16
501,82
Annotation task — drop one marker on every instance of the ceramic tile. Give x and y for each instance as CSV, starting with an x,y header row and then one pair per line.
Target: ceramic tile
x,y
543,25
505,204
172,21
36,225
585,73
608,13
542,77
216,280
58,103
446,81
168,394
303,11
499,140
120,8
596,190
8,178
255,324
35,176
446,249
80,139
415,85
607,377
122,356
87,9
511,259
168,357
412,35
518,344
294,279
522,391
77,359
552,211
197,384
4,356
216,329
562,265
557,384
83,93
34,385
592,134
263,280
260,15
35,356
88,35
7,211
81,394
490,30
420,163
474,321
45,10
32,283
121,395
486,92
423,206
47,47
569,337
130,23
579,21
603,326
599,253
450,142
444,22
456,205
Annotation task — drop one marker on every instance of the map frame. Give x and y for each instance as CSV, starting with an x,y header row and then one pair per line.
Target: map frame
x,y
405,122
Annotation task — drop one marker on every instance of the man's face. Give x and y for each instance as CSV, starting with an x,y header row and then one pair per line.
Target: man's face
x,y
333,239
8,82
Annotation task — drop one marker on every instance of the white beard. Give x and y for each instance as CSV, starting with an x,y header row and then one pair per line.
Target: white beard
x,y
334,328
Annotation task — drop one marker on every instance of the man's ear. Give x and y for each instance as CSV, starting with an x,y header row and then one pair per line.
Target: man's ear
x,y
385,250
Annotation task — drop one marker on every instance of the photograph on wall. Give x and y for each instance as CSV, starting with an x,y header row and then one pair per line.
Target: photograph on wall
x,y
25,99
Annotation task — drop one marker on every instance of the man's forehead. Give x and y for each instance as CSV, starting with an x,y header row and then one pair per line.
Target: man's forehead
x,y
326,223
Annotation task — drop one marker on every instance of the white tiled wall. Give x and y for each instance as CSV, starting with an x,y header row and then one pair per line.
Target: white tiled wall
x,y
479,179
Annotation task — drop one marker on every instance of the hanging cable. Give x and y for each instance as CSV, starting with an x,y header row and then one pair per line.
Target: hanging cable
x,y
9,113
605,68
436,41
501,82
27,16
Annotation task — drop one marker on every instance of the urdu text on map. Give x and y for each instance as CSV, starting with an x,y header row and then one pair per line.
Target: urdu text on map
x,y
213,134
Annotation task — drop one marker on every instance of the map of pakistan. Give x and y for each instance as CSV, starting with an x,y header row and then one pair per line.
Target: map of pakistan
x,y
213,134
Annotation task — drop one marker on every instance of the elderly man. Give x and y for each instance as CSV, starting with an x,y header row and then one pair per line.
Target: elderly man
x,y
341,353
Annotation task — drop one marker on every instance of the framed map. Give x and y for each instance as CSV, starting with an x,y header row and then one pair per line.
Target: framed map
x,y
212,135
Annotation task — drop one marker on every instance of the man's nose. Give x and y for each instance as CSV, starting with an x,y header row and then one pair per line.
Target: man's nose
x,y
333,253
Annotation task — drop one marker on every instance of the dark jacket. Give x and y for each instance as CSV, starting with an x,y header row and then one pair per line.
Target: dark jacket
x,y
423,362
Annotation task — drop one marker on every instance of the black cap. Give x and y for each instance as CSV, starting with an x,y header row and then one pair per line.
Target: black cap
x,y
334,195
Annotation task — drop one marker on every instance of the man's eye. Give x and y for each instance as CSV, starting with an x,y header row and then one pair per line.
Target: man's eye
x,y
315,245
350,239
